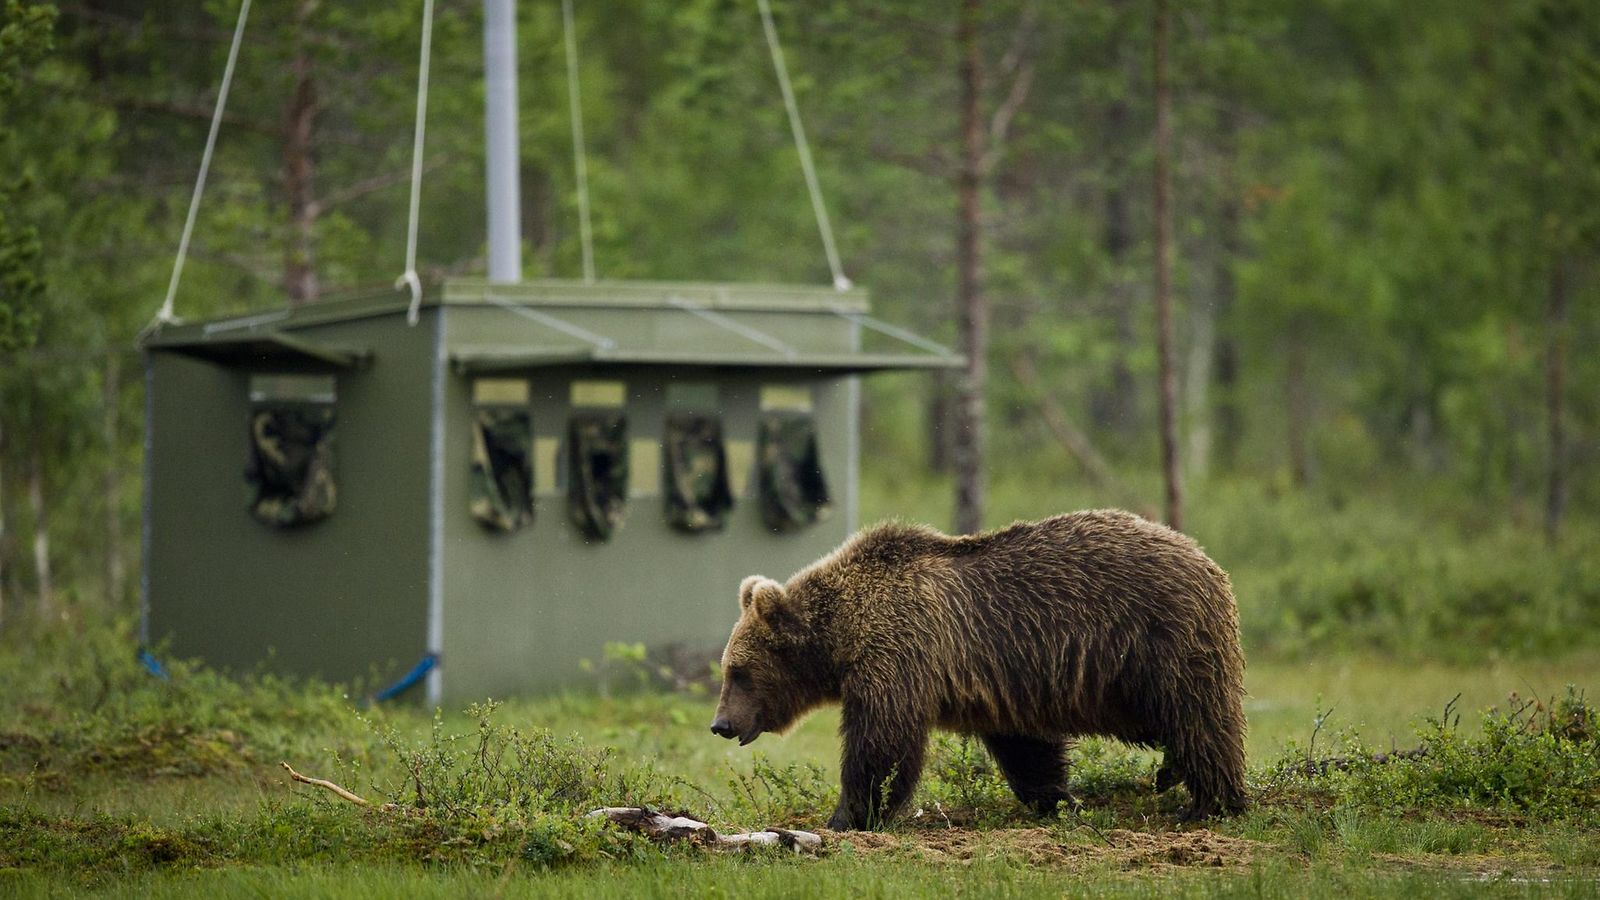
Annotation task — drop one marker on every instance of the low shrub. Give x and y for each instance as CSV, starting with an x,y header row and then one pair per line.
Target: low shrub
x,y
1529,759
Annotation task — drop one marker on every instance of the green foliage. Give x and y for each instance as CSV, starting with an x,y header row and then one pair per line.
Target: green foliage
x,y
80,704
794,795
1404,575
504,789
25,37
500,773
1529,759
961,784
1418,571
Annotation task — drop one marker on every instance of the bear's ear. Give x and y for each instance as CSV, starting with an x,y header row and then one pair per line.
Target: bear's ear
x,y
761,594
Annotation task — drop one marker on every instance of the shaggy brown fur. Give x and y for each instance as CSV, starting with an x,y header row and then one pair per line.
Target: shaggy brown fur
x,y
1096,622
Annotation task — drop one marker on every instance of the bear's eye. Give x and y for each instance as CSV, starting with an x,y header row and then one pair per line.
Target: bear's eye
x,y
739,675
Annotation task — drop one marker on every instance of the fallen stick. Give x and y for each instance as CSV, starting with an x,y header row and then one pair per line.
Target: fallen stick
x,y
662,827
656,825
1316,767
324,783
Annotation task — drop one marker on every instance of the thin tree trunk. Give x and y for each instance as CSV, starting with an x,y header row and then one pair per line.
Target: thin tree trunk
x,y
939,415
1229,421
1555,375
1197,388
299,168
974,310
1225,360
1297,404
116,566
1071,438
1163,279
2,524
41,534
1115,408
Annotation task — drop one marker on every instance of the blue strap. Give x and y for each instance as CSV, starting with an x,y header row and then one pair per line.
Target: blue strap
x,y
408,680
153,665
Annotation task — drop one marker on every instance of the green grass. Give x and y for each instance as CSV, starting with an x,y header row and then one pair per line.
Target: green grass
x,y
836,877
243,830
1363,619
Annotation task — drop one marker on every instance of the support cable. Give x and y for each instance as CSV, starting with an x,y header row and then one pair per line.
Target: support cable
x,y
164,315
580,159
409,278
801,146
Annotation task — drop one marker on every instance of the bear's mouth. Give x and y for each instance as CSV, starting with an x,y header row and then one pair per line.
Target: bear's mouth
x,y
745,738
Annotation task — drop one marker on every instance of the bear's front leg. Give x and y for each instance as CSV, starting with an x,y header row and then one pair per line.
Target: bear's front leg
x,y
882,755
1036,768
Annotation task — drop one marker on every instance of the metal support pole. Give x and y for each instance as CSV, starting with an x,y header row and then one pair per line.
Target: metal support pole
x,y
500,140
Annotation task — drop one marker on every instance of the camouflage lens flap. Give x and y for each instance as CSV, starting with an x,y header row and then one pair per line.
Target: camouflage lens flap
x,y
698,497
502,468
597,466
794,493
291,463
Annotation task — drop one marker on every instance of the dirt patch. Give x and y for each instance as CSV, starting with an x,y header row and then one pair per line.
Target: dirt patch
x,y
1119,848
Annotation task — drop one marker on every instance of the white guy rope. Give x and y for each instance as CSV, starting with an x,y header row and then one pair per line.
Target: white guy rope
x,y
579,157
733,325
165,313
409,278
840,282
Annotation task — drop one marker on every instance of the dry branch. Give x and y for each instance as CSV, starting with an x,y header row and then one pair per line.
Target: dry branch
x,y
1073,440
655,825
1315,767
662,827
325,784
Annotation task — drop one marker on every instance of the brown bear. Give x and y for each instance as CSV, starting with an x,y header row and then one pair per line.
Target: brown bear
x,y
1092,623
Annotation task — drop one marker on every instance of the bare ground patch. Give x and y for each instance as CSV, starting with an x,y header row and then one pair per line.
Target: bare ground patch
x,y
1120,848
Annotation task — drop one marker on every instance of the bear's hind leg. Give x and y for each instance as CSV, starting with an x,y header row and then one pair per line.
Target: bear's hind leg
x,y
1036,768
1211,764
1168,776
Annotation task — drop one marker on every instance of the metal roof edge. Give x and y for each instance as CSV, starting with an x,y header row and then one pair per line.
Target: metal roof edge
x,y
344,309
489,359
293,347
658,295
620,294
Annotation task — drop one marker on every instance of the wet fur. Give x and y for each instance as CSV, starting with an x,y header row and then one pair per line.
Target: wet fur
x,y
1092,623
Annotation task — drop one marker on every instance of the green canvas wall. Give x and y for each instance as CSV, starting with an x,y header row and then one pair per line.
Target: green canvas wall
x,y
401,568
522,609
342,599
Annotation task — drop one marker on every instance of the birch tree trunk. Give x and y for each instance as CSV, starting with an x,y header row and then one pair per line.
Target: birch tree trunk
x,y
1163,273
41,534
974,310
1200,364
1116,408
116,565
1228,420
299,170
1298,403
1555,375
2,525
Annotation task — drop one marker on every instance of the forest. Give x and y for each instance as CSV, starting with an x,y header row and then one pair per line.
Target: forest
x,y
1314,281
1381,222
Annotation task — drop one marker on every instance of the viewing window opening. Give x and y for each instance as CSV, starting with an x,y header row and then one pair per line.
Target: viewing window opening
x,y
794,492
291,460
502,455
696,466
597,471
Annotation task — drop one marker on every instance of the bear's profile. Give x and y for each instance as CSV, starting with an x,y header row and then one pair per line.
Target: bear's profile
x,y
1093,623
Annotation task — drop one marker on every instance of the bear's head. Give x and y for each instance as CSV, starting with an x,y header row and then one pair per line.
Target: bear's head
x,y
767,679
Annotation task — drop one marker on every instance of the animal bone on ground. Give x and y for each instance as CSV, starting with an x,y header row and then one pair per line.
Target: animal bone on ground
x,y
663,827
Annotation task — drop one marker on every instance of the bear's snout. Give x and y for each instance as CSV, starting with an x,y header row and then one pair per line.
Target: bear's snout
x,y
722,728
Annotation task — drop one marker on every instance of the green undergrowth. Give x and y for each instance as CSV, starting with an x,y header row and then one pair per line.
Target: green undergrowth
x,y
1419,570
77,702
1521,789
